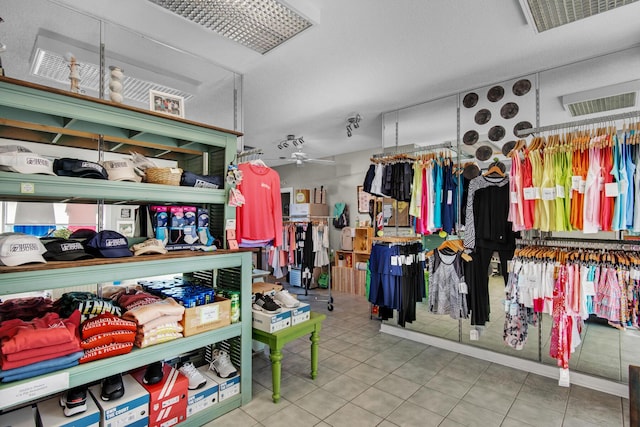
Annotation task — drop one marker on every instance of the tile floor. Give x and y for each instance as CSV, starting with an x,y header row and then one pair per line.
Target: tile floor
x,y
367,378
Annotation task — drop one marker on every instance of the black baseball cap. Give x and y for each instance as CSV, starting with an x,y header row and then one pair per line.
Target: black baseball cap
x,y
108,244
64,250
79,168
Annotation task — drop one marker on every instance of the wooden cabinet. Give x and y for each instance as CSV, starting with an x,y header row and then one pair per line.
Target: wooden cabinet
x,y
347,274
34,113
363,240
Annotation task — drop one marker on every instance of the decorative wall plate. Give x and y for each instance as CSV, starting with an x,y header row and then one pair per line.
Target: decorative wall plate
x,y
484,153
470,100
470,137
521,87
495,94
496,133
483,116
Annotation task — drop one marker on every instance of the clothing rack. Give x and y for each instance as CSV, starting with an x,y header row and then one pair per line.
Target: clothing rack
x,y
314,220
582,244
416,150
253,154
397,239
595,120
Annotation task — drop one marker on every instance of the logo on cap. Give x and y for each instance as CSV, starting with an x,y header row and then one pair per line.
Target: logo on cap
x,y
23,247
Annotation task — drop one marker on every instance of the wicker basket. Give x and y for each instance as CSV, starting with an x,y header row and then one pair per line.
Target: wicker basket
x,y
166,176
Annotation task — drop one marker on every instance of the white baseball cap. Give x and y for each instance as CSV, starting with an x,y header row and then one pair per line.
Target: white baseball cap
x,y
15,158
149,246
121,170
20,248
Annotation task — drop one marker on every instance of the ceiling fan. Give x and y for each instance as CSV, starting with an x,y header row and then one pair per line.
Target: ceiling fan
x,y
300,158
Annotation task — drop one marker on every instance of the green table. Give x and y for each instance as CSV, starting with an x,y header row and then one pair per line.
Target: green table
x,y
277,340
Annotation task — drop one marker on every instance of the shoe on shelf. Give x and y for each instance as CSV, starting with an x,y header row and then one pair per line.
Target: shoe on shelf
x,y
112,388
285,299
196,379
221,364
266,303
74,401
153,374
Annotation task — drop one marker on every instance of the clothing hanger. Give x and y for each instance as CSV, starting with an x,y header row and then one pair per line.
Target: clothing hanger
x,y
258,162
494,171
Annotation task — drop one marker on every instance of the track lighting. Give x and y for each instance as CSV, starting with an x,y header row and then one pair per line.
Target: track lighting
x,y
291,141
353,122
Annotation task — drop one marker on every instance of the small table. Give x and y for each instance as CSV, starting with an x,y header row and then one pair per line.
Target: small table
x,y
277,340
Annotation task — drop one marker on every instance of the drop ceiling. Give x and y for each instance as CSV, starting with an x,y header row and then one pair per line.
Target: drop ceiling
x,y
362,59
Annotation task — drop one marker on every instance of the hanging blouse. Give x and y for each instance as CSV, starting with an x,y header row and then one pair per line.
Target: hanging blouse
x,y
447,295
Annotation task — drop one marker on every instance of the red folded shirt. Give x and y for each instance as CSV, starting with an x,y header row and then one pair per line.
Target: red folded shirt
x,y
18,335
105,322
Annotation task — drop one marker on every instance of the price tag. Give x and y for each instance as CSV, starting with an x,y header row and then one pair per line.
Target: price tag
x,y
462,288
514,197
507,304
423,256
538,193
589,288
513,309
449,197
530,193
27,188
559,191
611,189
623,186
575,182
549,193
582,186
394,260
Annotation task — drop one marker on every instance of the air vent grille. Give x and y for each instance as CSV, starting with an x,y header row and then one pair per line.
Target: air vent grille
x,y
548,14
260,25
53,66
625,100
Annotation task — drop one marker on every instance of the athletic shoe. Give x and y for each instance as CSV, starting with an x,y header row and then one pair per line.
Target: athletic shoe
x,y
266,304
153,374
112,387
285,299
196,379
74,401
221,364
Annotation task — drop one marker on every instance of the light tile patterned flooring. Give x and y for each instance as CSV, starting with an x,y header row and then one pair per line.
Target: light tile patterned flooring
x,y
367,378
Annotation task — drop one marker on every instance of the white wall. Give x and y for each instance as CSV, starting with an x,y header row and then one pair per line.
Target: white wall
x,y
340,181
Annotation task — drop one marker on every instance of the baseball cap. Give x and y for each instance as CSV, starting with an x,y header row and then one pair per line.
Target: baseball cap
x,y
20,248
83,233
149,246
65,250
79,168
121,170
190,179
16,158
108,244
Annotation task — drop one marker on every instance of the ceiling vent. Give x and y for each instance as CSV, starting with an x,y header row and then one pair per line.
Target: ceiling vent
x,y
544,15
260,25
607,98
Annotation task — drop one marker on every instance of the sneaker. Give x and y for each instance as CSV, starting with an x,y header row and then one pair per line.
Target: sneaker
x,y
74,401
153,374
285,299
221,364
112,388
266,304
196,379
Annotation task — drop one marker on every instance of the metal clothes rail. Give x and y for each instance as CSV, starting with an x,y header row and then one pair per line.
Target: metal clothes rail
x,y
618,245
567,125
249,155
416,150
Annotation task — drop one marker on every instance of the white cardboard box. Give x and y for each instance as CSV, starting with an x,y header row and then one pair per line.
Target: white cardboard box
x,y
228,387
205,397
23,417
271,322
132,409
50,414
300,314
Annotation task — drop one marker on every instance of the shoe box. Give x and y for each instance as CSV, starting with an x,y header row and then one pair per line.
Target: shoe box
x,y
264,289
23,417
227,387
132,409
300,314
205,397
168,398
50,414
271,322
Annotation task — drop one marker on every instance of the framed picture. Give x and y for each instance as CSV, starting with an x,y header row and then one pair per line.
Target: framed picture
x,y
165,103
126,228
